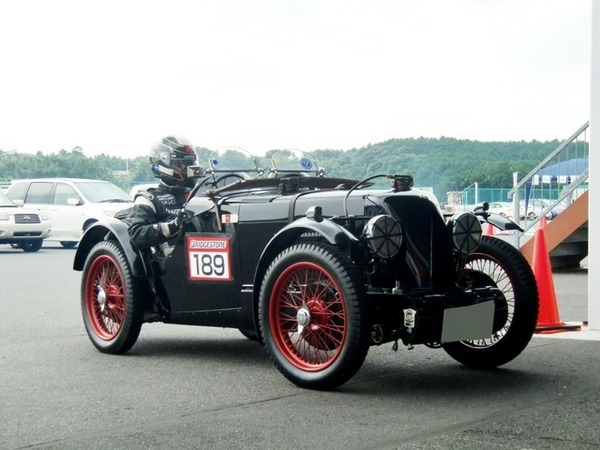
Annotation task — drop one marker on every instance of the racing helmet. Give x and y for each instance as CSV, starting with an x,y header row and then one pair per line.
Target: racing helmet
x,y
170,158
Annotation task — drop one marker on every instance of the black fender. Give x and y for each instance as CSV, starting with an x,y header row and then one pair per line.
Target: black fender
x,y
501,222
333,233
109,229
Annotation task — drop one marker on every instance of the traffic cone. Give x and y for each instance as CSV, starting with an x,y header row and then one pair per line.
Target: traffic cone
x,y
548,317
488,229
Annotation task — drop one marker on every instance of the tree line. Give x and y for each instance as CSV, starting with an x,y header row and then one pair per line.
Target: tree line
x,y
444,164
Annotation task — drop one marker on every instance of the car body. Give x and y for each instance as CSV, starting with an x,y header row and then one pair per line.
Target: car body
x,y
503,208
72,204
317,269
536,207
22,227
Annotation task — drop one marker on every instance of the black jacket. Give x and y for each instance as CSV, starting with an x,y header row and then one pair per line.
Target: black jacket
x,y
151,212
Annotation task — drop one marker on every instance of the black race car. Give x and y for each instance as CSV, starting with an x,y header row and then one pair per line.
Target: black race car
x,y
315,268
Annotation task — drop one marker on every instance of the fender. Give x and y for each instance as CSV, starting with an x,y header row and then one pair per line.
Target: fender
x,y
110,229
332,232
501,222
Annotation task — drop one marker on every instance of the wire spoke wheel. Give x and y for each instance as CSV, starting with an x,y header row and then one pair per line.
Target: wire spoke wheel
x,y
498,264
105,297
308,316
111,304
312,316
499,278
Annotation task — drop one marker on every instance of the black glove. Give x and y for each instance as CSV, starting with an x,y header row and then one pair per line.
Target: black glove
x,y
175,224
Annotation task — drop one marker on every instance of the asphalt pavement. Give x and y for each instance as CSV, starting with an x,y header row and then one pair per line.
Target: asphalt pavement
x,y
210,388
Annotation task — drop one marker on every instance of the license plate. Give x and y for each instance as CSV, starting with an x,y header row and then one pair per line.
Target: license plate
x,y
468,322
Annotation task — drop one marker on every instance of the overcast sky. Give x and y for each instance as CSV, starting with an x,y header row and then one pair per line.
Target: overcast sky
x,y
112,76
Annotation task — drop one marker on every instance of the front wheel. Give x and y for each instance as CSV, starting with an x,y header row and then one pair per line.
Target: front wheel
x,y
314,316
111,304
499,264
31,246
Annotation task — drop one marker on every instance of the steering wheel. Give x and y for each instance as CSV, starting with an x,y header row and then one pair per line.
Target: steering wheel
x,y
216,182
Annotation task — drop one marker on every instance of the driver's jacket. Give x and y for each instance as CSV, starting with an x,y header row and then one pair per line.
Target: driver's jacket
x,y
151,211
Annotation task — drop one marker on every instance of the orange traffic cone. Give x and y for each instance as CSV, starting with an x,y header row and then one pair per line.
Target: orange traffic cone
x,y
548,317
488,230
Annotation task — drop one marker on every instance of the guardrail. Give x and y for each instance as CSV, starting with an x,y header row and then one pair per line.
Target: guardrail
x,y
554,183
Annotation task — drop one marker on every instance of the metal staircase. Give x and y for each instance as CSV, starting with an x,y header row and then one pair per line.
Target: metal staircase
x,y
557,189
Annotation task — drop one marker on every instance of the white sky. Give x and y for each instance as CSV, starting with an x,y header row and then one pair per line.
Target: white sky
x,y
112,76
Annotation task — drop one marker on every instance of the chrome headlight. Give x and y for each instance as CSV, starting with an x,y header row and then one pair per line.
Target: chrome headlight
x,y
383,235
466,232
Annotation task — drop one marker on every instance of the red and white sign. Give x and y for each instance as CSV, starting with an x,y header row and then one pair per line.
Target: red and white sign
x,y
209,257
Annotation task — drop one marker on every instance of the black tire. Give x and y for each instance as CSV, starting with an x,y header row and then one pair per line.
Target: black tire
x,y
68,244
501,264
111,304
317,284
31,246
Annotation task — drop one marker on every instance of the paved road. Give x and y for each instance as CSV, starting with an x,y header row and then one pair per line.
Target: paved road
x,y
192,387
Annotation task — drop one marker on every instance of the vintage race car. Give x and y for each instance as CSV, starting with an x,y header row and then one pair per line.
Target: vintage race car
x,y
317,269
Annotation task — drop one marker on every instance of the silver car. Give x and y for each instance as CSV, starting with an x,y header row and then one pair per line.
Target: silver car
x,y
72,204
22,227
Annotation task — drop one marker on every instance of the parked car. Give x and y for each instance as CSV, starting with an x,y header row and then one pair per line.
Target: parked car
x,y
141,187
535,207
503,208
22,227
72,204
316,269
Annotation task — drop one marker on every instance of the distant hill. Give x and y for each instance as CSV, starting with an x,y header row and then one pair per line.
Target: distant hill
x,y
444,164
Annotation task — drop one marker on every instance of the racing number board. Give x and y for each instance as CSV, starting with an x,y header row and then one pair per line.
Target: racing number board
x,y
208,257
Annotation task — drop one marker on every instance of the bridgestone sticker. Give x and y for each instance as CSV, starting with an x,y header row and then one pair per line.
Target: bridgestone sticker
x,y
208,257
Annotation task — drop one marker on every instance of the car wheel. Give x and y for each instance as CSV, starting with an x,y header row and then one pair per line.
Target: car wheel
x,y
68,244
31,246
313,316
111,304
499,264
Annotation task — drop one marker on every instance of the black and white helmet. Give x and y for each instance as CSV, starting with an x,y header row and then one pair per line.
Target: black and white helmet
x,y
170,158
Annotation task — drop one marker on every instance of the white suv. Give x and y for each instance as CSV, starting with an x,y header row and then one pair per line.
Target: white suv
x,y
71,204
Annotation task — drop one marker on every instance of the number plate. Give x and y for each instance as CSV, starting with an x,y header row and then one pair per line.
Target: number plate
x,y
209,257
468,322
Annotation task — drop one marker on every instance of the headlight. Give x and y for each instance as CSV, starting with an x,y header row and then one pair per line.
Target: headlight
x,y
4,216
383,235
466,232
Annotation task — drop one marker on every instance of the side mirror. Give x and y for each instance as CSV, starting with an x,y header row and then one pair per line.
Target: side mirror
x,y
73,202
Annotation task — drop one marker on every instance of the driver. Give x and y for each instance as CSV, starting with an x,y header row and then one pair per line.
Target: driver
x,y
157,213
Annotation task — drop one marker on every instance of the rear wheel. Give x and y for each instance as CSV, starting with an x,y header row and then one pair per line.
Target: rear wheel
x,y
31,246
499,264
313,316
111,304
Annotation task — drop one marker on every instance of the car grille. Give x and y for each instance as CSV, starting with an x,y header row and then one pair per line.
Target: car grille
x,y
27,218
27,234
428,251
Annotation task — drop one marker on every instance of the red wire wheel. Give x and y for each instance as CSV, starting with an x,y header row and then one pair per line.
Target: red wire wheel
x,y
105,297
308,316
313,315
111,304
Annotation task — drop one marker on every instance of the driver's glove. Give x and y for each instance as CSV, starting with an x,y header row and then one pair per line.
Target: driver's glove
x,y
174,225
